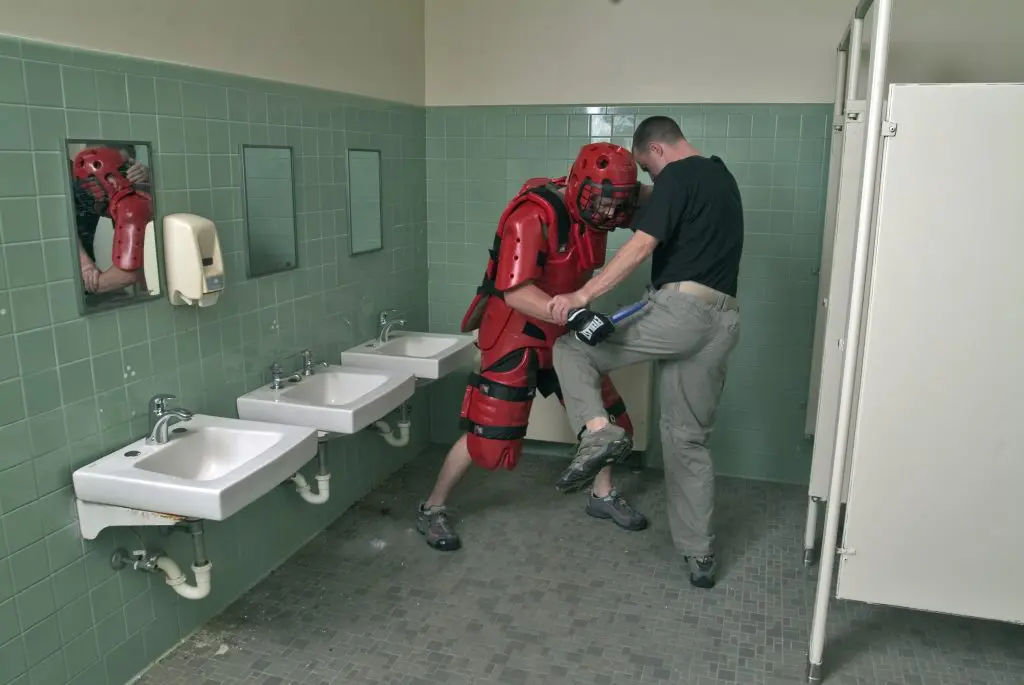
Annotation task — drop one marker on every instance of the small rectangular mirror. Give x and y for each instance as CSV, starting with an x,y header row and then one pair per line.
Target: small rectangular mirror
x,y
366,222
268,188
113,242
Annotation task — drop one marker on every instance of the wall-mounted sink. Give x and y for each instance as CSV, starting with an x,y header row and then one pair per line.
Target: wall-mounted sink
x,y
209,468
425,355
335,399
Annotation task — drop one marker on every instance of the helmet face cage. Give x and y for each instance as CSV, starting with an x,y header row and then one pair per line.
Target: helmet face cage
x,y
602,187
606,206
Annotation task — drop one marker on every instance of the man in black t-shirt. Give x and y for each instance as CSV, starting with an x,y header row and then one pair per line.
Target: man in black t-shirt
x,y
692,224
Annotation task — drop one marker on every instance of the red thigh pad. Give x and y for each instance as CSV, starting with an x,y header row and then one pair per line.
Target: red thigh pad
x,y
496,409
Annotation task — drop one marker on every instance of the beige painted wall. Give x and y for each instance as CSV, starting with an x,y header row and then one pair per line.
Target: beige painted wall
x,y
492,52
497,52
368,47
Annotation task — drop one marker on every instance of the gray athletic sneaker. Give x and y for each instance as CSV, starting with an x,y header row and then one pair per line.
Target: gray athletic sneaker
x,y
617,509
702,571
595,451
433,524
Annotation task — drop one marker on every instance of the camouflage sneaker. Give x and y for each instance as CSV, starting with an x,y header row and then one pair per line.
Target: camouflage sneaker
x,y
595,451
437,528
702,571
617,509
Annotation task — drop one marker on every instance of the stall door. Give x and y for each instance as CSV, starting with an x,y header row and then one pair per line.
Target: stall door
x,y
835,168
935,511
834,302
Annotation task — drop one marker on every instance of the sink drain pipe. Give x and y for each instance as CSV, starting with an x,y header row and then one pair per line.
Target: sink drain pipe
x,y
201,567
322,477
390,437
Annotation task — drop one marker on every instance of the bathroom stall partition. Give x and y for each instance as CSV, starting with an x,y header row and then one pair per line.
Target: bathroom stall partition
x,y
834,281
937,434
928,430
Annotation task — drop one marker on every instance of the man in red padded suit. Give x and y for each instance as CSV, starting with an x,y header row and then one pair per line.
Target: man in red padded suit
x,y
550,238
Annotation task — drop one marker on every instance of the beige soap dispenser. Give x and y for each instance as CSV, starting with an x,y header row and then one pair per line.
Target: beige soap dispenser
x,y
195,267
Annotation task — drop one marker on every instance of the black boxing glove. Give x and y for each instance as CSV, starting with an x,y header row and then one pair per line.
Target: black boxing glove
x,y
590,327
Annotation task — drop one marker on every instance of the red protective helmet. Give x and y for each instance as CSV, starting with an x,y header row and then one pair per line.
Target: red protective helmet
x,y
602,189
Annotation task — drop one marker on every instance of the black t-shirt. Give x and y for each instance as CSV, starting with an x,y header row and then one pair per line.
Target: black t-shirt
x,y
696,214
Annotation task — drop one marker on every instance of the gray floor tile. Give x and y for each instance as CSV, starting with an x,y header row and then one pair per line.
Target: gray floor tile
x,y
541,593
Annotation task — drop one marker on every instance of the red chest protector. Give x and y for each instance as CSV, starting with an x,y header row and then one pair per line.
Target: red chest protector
x,y
536,242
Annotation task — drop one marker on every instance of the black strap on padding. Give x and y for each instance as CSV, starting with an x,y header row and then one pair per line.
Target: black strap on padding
x,y
494,432
617,408
500,391
487,286
547,384
552,197
534,331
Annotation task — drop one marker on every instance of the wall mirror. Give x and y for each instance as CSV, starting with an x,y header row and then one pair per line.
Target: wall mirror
x,y
268,187
366,223
113,240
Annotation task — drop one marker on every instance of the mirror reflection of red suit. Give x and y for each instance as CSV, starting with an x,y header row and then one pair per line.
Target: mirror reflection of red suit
x,y
554,242
130,210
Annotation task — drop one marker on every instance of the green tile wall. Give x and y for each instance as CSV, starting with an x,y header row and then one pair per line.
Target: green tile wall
x,y
73,388
477,157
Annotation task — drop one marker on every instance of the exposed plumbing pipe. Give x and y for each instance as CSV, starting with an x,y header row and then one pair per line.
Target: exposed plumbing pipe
x,y
177,581
404,424
323,478
201,567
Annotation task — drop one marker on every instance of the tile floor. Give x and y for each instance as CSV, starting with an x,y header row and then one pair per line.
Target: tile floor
x,y
542,594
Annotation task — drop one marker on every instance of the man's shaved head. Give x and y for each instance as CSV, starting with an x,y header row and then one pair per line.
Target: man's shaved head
x,y
657,130
657,142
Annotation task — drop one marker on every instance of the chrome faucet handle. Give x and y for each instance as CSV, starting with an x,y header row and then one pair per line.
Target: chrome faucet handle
x,y
276,372
386,314
308,364
158,403
277,376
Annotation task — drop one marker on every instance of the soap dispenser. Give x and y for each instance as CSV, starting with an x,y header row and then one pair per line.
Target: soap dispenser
x,y
192,257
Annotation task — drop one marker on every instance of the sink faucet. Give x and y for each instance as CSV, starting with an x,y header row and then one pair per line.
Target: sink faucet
x,y
308,365
277,377
385,324
161,417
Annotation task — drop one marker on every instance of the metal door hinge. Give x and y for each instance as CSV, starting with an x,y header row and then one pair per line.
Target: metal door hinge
x,y
845,551
888,129
837,128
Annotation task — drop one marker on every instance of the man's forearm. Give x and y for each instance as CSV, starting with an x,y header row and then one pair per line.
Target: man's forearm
x,y
530,300
625,261
115,279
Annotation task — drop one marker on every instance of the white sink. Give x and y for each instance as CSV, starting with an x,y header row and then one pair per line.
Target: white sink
x,y
209,468
335,399
425,355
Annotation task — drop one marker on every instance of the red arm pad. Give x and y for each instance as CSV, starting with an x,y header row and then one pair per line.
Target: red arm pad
x,y
522,244
130,215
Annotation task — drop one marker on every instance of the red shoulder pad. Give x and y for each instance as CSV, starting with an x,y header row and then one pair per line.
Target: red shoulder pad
x,y
534,183
523,243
